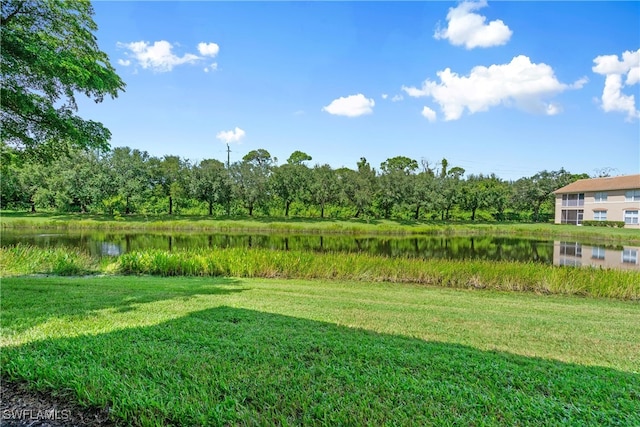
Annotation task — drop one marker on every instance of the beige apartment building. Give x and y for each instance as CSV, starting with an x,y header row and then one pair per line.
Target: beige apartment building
x,y
615,198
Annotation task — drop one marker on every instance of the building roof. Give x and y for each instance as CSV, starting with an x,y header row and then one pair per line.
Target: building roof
x,y
624,182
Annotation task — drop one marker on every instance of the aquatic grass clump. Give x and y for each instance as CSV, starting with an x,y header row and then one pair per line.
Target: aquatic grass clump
x,y
164,263
267,263
478,274
62,261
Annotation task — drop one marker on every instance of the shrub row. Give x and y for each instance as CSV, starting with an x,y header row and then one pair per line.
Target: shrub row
x,y
614,224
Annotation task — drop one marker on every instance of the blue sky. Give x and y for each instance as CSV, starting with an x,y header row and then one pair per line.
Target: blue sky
x,y
511,88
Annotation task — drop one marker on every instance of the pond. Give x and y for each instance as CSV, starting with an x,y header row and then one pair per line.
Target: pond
x,y
101,244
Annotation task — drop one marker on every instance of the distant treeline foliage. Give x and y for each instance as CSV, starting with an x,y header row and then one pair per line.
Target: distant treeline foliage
x,y
126,181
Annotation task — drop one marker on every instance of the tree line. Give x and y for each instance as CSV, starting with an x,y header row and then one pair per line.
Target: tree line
x,y
129,181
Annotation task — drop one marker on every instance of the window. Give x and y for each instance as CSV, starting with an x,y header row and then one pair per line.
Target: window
x,y
570,262
630,256
573,249
600,215
632,196
573,199
631,217
601,197
597,252
571,216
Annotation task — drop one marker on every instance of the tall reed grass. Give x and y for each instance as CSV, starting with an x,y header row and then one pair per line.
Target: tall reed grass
x,y
509,276
266,263
62,261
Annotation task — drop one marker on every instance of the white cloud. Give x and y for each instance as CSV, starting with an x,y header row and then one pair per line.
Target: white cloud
x,y
612,97
212,67
429,114
579,84
350,106
231,135
609,64
414,92
208,49
633,76
384,96
397,98
553,109
469,29
159,56
614,100
520,83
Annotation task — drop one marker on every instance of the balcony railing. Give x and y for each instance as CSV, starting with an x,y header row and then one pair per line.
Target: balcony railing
x,y
573,202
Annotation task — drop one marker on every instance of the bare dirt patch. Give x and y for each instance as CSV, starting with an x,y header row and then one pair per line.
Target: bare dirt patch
x,y
22,407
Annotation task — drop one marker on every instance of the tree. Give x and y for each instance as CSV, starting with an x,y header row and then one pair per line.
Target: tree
x,y
603,172
76,181
422,191
443,172
210,183
499,195
291,181
366,186
324,187
475,193
427,168
11,191
49,54
357,188
251,177
130,178
448,189
259,158
399,164
32,180
298,158
27,182
537,190
168,175
346,180
395,182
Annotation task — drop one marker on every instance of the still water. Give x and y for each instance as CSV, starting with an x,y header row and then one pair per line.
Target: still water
x,y
102,244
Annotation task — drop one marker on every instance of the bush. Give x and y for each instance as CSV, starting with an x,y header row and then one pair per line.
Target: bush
x,y
592,223
513,216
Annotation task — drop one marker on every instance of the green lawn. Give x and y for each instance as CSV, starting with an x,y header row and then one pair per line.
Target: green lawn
x,y
191,351
313,225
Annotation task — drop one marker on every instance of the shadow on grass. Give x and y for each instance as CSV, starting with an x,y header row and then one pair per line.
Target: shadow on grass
x,y
27,302
225,365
